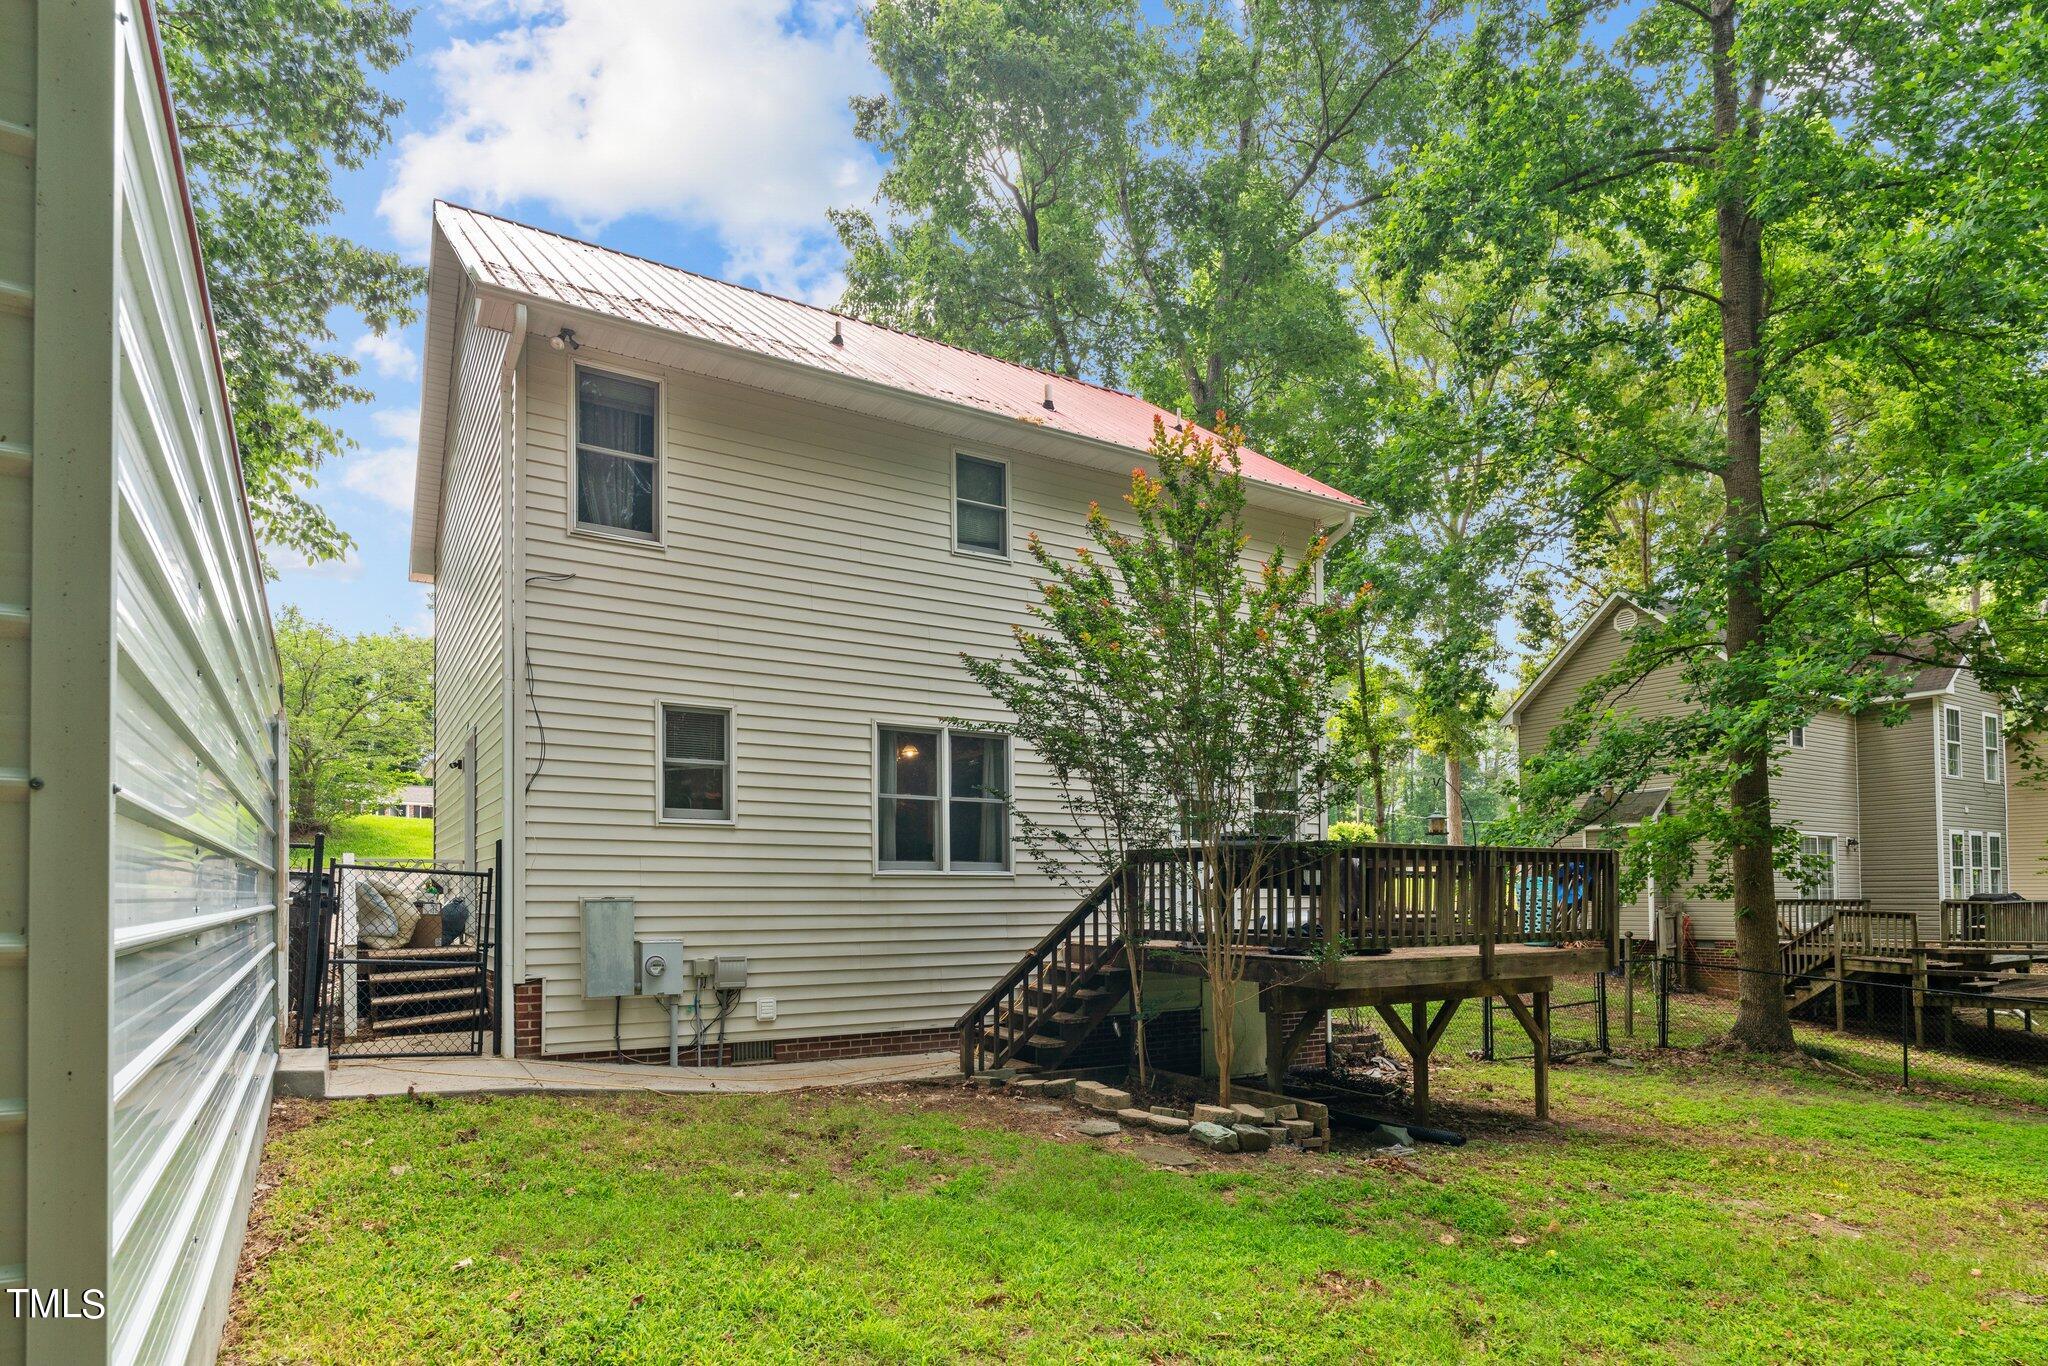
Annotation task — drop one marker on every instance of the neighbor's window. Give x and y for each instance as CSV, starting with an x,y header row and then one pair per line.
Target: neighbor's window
x,y
617,470
1958,867
696,764
1977,864
1797,739
1952,741
1276,813
1817,861
942,801
1994,750
981,505
1994,863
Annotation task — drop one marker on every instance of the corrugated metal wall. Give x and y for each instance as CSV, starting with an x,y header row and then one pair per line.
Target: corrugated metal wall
x,y
151,772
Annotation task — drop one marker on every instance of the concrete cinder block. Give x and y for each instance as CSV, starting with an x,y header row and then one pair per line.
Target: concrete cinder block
x,y
1251,1138
302,1072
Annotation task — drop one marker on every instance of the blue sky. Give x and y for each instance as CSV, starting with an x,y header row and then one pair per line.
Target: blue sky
x,y
709,133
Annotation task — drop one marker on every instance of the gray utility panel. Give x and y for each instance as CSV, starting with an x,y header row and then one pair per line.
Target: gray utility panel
x,y
610,967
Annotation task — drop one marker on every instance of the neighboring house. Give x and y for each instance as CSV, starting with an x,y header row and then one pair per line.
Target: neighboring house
x,y
1904,814
414,799
141,739
705,562
2026,815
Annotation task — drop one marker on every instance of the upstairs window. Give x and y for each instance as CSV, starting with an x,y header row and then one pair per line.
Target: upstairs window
x,y
942,801
617,469
1994,750
981,506
1797,739
696,764
1952,741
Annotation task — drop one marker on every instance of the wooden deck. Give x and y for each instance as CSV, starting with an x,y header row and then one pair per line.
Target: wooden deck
x,y
1389,927
1983,956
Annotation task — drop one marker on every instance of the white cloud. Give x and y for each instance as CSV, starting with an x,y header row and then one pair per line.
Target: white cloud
x,y
399,424
726,114
384,473
388,353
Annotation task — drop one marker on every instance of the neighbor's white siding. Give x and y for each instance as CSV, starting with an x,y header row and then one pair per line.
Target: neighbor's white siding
x,y
807,582
1817,791
152,701
2026,815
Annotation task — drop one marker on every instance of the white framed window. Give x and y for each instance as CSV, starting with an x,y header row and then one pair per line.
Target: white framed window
x,y
696,763
618,460
1797,739
1977,863
1952,741
1994,749
1994,862
981,506
1817,866
941,800
1958,866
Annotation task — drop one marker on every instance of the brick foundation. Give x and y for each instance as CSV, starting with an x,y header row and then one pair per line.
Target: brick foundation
x,y
1710,967
1314,1051
526,1019
881,1044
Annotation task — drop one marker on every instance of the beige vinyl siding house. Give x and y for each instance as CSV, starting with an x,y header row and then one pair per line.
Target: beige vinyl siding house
x,y
141,782
708,705
1870,795
2026,815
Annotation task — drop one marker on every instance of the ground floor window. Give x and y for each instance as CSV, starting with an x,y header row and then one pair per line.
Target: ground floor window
x,y
941,800
1976,862
696,763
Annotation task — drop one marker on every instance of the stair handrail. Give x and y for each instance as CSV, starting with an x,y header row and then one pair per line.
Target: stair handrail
x,y
1043,949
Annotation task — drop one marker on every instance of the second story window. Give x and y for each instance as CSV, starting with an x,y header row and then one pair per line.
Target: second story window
x,y
1798,737
1994,750
617,467
981,506
1952,741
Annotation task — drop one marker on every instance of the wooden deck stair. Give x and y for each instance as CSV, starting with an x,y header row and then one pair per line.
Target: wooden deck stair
x,y
421,990
1055,999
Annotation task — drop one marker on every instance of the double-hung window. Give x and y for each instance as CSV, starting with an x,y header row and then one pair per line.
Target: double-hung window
x,y
1994,750
942,801
1958,866
1952,741
1797,739
981,506
618,468
696,764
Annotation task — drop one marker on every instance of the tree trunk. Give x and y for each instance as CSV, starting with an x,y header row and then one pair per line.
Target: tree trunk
x,y
1760,1020
1454,800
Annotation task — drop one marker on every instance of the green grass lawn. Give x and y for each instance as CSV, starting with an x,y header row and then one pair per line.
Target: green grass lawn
x,y
371,838
1704,1209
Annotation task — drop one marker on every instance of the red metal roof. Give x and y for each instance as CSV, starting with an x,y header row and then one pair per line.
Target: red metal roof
x,y
528,260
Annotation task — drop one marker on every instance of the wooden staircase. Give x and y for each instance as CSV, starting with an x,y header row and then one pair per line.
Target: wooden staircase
x,y
1058,994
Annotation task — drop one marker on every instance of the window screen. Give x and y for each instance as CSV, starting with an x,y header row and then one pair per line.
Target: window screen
x,y
696,764
981,505
616,466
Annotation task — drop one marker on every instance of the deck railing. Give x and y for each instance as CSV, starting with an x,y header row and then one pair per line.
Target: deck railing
x,y
1797,915
2009,924
1313,896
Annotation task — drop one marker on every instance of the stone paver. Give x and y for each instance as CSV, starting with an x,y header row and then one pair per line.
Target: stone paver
x,y
1168,1124
1099,1128
1214,1136
1251,1138
1163,1155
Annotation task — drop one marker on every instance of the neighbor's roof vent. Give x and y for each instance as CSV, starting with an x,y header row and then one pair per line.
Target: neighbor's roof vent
x,y
1625,620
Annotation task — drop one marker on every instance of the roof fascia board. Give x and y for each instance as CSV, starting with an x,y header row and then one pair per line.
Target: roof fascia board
x,y
1570,648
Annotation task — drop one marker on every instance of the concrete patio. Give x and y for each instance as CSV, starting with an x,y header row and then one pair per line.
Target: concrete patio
x,y
307,1073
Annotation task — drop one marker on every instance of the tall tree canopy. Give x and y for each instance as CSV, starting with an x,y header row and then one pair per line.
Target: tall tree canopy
x,y
273,98
1140,200
1823,225
359,714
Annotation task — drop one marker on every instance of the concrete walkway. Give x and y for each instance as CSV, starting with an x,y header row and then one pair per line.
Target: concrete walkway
x,y
518,1076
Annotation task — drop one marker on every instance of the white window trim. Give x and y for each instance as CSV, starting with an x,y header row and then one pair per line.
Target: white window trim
x,y
1951,751
1834,889
1009,505
1994,747
1983,852
1956,882
731,817
944,843
614,535
1994,861
1796,738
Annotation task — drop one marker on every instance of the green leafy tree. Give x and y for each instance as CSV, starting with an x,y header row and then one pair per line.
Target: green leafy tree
x,y
1168,683
1138,198
360,712
274,97
1823,225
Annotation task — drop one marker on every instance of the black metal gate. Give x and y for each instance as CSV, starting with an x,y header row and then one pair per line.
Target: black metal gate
x,y
404,959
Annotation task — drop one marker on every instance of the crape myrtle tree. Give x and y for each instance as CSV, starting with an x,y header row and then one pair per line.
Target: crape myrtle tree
x,y
1175,687
1825,223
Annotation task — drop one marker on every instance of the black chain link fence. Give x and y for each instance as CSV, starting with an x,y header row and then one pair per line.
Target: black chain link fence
x,y
406,960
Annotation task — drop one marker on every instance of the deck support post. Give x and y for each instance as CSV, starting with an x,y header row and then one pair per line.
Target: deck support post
x,y
1841,993
1537,1026
1418,1013
1283,1044
1919,998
